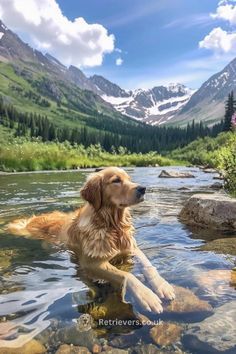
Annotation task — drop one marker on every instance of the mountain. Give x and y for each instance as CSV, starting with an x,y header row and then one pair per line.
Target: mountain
x,y
37,83
154,106
23,69
207,103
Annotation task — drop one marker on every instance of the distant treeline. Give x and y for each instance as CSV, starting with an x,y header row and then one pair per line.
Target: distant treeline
x,y
108,133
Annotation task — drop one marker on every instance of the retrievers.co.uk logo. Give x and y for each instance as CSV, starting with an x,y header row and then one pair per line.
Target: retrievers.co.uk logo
x,y
85,322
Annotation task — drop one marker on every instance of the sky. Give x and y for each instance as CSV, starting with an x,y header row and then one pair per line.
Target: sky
x,y
134,43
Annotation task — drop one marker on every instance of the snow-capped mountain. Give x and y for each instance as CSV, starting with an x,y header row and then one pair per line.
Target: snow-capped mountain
x,y
207,103
154,106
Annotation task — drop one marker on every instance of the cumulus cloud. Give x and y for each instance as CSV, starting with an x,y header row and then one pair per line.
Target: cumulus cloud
x,y
226,11
73,42
119,61
220,40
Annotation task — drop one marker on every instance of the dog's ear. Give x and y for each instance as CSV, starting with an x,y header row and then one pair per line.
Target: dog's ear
x,y
92,191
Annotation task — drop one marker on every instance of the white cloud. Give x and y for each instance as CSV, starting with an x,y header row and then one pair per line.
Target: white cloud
x,y
226,11
219,40
73,42
119,61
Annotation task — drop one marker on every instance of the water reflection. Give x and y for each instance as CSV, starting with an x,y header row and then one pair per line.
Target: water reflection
x,y
43,289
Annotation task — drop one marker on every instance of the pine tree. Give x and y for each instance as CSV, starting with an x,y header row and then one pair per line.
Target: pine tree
x,y
230,109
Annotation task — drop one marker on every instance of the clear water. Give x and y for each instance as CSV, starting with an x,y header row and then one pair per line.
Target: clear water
x,y
40,283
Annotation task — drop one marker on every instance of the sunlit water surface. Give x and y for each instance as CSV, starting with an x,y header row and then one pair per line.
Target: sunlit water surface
x,y
40,283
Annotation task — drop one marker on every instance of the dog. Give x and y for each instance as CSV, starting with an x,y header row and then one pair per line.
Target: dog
x,y
100,231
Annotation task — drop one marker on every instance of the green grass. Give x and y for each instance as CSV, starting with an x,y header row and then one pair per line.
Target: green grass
x,y
219,152
22,155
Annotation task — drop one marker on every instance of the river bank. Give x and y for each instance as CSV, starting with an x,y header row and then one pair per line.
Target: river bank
x,y
21,155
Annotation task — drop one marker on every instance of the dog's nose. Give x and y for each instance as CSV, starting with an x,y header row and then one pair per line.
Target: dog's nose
x,y
141,189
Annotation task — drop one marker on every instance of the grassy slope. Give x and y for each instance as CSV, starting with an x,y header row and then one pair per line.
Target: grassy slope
x,y
78,107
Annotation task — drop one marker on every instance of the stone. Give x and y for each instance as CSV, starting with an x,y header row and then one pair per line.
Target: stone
x,y
71,349
221,245
32,347
187,302
209,170
175,174
116,351
184,189
220,177
215,211
96,349
6,256
72,335
165,334
216,186
7,329
216,334
145,349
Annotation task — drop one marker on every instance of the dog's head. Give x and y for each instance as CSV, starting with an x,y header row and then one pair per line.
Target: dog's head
x,y
112,186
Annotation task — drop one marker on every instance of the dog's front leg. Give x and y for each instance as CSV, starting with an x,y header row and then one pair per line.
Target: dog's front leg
x,y
159,285
124,281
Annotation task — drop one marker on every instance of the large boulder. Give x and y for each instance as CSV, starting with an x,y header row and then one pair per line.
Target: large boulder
x,y
215,211
216,334
175,174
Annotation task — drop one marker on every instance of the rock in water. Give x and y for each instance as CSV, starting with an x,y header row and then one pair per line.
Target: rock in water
x,y
146,349
215,211
221,245
175,174
216,334
216,186
165,333
186,302
209,170
71,349
32,347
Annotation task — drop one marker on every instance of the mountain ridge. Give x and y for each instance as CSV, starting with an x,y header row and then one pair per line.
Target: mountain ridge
x,y
174,104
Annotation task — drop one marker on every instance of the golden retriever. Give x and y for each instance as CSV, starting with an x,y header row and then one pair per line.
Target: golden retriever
x,y
100,231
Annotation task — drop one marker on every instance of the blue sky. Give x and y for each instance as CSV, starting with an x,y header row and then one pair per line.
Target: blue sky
x,y
155,42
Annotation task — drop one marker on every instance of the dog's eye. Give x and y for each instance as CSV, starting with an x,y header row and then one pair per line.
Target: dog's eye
x,y
117,180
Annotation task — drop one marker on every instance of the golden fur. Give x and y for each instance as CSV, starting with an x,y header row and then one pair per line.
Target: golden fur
x,y
101,230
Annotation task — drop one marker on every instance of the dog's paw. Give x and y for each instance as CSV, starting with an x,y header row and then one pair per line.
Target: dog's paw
x,y
146,298
165,290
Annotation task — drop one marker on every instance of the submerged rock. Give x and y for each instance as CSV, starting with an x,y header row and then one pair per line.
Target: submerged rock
x,y
221,245
217,282
71,349
145,349
186,302
210,210
6,257
73,335
175,174
165,333
216,334
32,347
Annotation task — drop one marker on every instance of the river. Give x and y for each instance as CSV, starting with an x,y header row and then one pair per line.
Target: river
x,y
41,289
